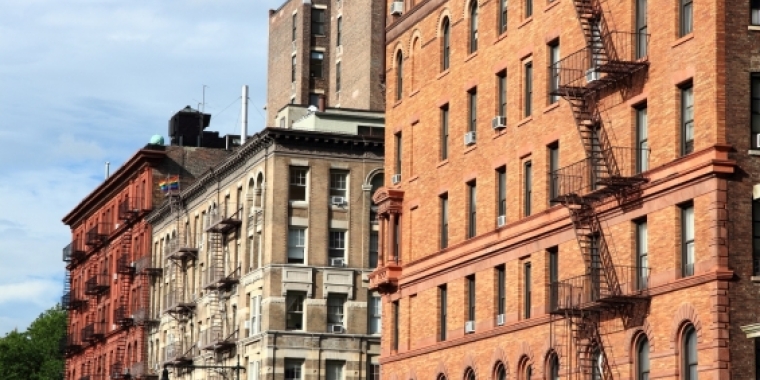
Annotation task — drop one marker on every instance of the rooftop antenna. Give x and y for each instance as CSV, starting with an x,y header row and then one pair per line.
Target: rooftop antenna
x,y
201,108
108,169
244,116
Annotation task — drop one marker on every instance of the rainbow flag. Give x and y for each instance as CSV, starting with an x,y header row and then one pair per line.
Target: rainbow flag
x,y
169,184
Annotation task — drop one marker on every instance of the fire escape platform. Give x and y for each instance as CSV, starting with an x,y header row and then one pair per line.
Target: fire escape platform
x,y
182,253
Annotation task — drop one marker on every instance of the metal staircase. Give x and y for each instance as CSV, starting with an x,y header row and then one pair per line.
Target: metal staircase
x,y
580,304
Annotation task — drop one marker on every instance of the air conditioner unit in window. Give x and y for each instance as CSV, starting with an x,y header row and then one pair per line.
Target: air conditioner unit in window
x,y
295,46
500,320
337,201
469,138
247,325
337,262
336,329
501,220
592,75
396,178
469,327
397,8
499,122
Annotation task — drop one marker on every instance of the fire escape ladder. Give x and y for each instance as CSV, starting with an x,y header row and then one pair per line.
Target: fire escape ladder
x,y
215,270
118,368
126,272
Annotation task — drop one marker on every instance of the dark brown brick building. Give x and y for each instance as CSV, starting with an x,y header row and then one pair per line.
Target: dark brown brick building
x,y
573,190
326,48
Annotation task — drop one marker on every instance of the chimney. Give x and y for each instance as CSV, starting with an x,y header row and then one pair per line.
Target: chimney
x,y
108,169
244,117
321,103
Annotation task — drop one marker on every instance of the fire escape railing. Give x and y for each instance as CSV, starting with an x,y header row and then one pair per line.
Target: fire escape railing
x,y
96,284
98,234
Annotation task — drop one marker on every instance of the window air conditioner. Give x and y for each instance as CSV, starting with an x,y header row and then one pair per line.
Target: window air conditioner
x,y
397,8
592,75
469,138
337,262
336,329
501,220
337,201
396,178
499,122
469,327
500,320
295,46
247,325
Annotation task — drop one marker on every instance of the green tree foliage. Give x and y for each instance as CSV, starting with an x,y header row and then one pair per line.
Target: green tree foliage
x,y
35,353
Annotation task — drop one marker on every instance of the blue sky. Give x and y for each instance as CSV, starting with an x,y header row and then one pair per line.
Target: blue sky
x,y
83,82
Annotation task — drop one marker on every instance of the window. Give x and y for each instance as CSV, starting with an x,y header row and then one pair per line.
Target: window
x,y
295,27
687,20
315,64
528,8
528,89
313,99
364,130
338,183
755,12
373,247
293,369
337,77
442,306
469,374
373,372
554,79
472,110
527,187
298,178
642,140
501,290
472,210
502,106
445,44
642,359
399,146
642,254
553,176
375,313
335,303
689,352
399,76
294,301
444,221
337,246
501,372
553,277
756,236
526,291
641,29
255,315
687,120
755,106
339,32
293,69
502,16
471,298
473,26
597,364
317,22
394,336
501,179
687,240
553,367
445,132
296,245
334,370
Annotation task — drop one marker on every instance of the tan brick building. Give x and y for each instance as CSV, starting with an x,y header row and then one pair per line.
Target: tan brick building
x,y
570,190
266,258
325,48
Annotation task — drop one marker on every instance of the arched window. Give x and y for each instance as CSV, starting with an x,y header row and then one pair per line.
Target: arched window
x,y
500,373
473,26
441,377
553,367
469,374
399,75
524,369
642,359
416,64
689,353
446,44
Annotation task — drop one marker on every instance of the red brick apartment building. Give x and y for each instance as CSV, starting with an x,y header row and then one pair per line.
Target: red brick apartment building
x,y
573,190
109,268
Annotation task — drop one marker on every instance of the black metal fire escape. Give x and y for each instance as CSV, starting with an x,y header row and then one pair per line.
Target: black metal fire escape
x,y
609,62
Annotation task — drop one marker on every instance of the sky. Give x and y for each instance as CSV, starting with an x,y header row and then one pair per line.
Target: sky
x,y
85,82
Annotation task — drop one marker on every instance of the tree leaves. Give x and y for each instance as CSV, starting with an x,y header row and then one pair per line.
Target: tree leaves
x,y
35,353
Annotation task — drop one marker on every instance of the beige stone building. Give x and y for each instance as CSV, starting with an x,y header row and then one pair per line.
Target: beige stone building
x,y
266,257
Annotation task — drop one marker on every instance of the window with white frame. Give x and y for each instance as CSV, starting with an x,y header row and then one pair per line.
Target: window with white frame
x,y
296,245
375,313
253,370
337,245
335,303
298,180
334,370
373,370
755,11
293,369
294,303
338,183
255,315
687,240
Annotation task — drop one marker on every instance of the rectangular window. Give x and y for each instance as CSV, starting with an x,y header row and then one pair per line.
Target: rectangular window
x,y
554,79
335,303
334,370
472,210
444,221
337,77
298,179
294,302
373,372
687,17
756,236
399,147
337,245
296,245
293,69
315,64
528,110
642,255
501,179
755,15
373,247
502,16
472,110
553,253
502,79
364,130
471,298
338,183
295,27
641,29
442,305
375,314
553,176
394,336
293,369
313,99
687,120
317,22
687,240
528,8
501,291
755,106
642,140
526,291
339,32
527,187
445,132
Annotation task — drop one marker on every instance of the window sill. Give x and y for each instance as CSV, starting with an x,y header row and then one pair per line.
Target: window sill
x,y
755,278
343,208
551,107
500,132
524,121
413,179
525,22
442,74
415,92
753,152
398,103
683,39
443,163
471,148
552,4
299,204
471,56
754,27
501,37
